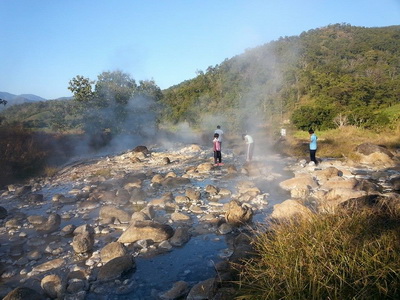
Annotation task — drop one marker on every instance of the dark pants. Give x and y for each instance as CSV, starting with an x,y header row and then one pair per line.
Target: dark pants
x,y
217,156
312,156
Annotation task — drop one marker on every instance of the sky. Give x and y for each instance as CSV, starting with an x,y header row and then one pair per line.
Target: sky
x,y
46,43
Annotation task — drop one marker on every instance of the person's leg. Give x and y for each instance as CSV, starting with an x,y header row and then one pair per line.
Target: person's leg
x,y
215,157
312,156
219,156
251,150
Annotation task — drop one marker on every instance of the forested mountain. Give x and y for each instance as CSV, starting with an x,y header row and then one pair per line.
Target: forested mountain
x,y
12,99
324,78
327,77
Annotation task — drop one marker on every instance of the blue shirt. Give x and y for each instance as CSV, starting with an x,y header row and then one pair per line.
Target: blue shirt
x,y
313,142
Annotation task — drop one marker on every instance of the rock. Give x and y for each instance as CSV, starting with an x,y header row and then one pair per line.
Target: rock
x,y
180,237
166,160
50,265
111,251
53,286
142,149
175,182
238,214
368,149
144,230
179,217
178,290
193,194
299,182
83,242
204,167
24,293
203,290
290,209
395,183
52,224
107,212
3,213
34,198
114,268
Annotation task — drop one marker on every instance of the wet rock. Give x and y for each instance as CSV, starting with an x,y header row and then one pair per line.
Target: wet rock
x,y
52,224
50,265
115,268
111,251
139,216
290,209
53,286
238,214
3,213
166,160
179,217
193,194
34,198
203,290
68,229
225,228
146,230
158,178
142,149
175,182
178,290
111,212
36,220
180,237
395,183
204,167
182,199
24,293
211,190
83,242
22,190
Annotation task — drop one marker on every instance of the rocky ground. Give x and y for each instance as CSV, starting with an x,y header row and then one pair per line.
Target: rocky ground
x,y
154,223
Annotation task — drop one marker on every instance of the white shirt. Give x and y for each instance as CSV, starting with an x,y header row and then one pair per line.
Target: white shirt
x,y
220,132
248,139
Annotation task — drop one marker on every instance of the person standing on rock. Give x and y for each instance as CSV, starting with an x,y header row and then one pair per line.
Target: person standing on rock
x,y
217,150
250,146
313,146
220,133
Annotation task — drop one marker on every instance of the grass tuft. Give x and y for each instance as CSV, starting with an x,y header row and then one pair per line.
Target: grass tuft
x,y
348,255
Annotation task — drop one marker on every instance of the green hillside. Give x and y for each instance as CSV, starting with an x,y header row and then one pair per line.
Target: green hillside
x,y
339,73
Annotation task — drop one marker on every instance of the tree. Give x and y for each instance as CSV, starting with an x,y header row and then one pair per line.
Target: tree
x,y
81,88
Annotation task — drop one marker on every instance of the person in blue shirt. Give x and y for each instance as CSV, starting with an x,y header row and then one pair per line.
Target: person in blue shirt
x,y
313,146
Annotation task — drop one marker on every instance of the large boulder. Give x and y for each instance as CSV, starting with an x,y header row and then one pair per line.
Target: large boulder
x,y
146,230
290,209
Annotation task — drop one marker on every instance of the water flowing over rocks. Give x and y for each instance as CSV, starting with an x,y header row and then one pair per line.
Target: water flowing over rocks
x,y
153,223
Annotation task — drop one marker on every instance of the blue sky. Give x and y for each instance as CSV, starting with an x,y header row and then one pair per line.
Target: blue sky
x,y
45,43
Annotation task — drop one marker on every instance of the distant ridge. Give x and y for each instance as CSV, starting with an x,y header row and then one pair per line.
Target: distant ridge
x,y
18,99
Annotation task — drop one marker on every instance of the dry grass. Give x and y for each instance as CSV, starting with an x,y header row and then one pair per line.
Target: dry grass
x,y
340,142
349,255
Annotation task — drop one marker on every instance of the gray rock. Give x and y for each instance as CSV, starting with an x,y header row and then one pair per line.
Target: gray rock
x,y
53,286
116,267
111,251
24,293
143,230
